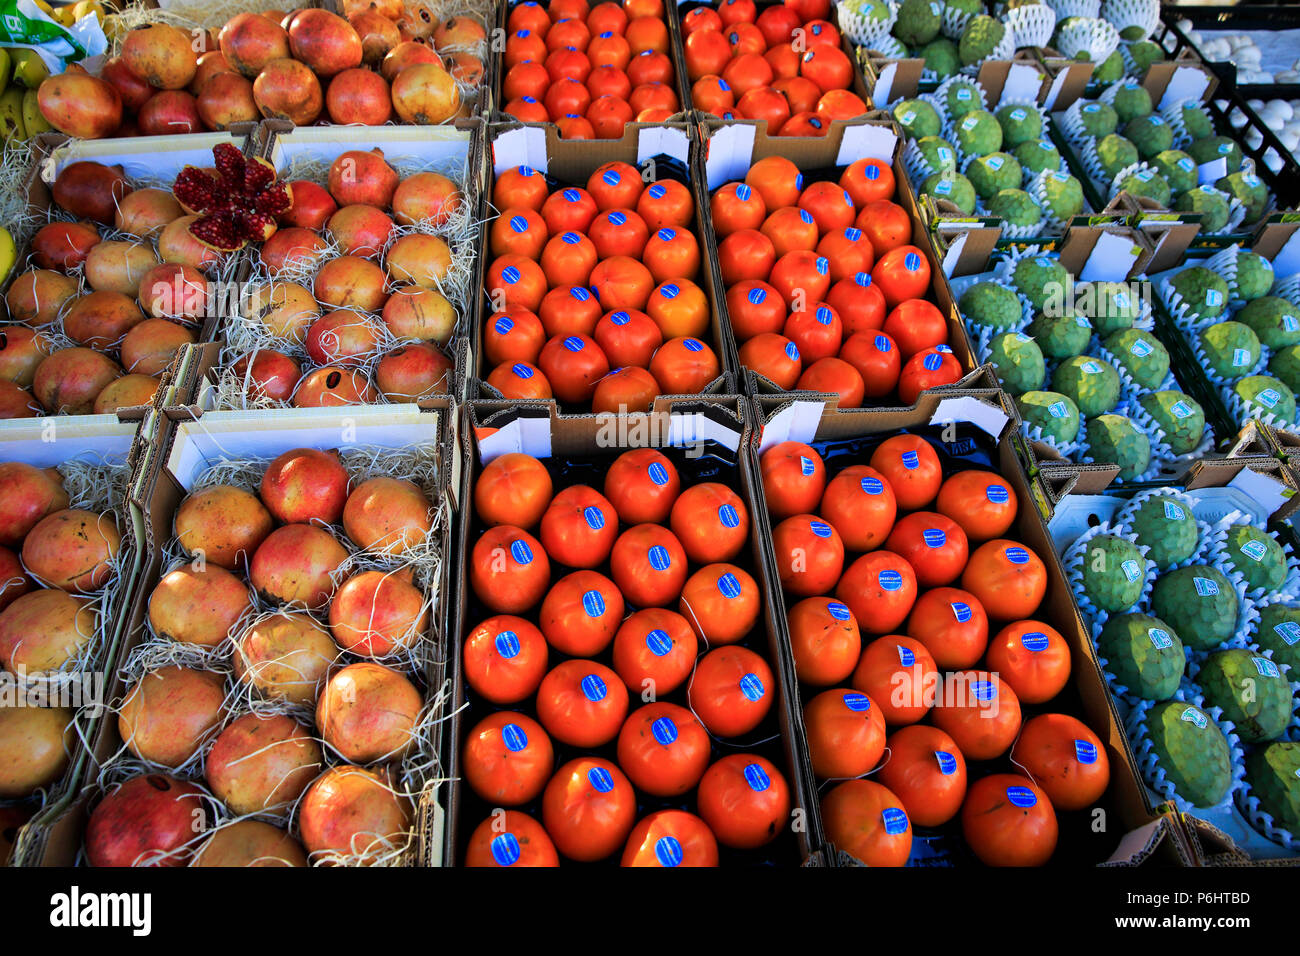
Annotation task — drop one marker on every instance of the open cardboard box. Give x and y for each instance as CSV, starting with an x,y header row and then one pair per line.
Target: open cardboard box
x,y
710,433
1082,497
1066,78
779,418
572,162
178,453
729,149
128,445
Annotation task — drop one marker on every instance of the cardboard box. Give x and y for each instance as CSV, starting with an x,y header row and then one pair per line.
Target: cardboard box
x,y
715,433
986,419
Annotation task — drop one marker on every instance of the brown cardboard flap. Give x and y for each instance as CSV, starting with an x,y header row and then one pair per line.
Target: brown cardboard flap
x,y
1080,241
902,78
1159,75
1157,840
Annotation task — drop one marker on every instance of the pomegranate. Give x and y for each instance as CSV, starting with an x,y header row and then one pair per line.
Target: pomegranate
x,y
285,309
34,747
117,266
360,230
250,843
305,485
330,387
357,176
21,350
63,245
134,92
149,820
412,372
293,248
210,64
358,96
72,549
176,244
160,54
17,402
324,41
44,629
387,514
27,494
225,99
38,296
312,205
198,605
151,347
341,337
90,190
129,391
375,613
68,381
378,35
100,319
250,41
417,313
14,582
425,197
171,290
463,32
404,54
145,212
419,22
262,762
170,713
170,113
426,94
367,712
295,564
350,282
389,9
289,90
419,258
354,813
80,105
285,655
272,375
465,68
222,523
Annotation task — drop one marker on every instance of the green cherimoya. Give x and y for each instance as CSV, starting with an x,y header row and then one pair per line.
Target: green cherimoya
x,y
1041,279
1210,203
1016,206
918,118
941,56
1064,195
952,186
1167,528
1254,279
1144,653
1192,751
1231,349
1216,147
1111,306
993,173
1257,556
1131,101
1115,153
1273,319
1114,572
960,97
1273,773
1178,168
1196,120
1141,354
1037,156
1144,52
1268,394
1061,336
1115,440
1054,414
968,7
937,152
1249,190
876,11
1150,134
1203,292
1179,417
918,21
1278,631
978,133
1092,383
1203,602
1099,118
980,38
1108,70
1285,367
1250,690
992,305
1018,362
1147,184
1020,124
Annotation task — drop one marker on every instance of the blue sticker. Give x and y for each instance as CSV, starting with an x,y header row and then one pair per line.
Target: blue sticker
x,y
729,517
806,217
611,177
601,780
1035,641
862,278
514,737
593,603
906,656
668,851
659,642
503,325
519,223
658,473
729,586
823,265
961,611
659,558
593,688
522,370
890,580
743,192
570,238
580,293
806,467
858,703
521,552
669,291
1017,555
757,778
838,611
573,343
798,179
667,235
820,528
752,687
947,762
572,195
984,690
693,345
615,217
997,494
852,234
510,274
895,820
824,315
871,172
1021,796
934,537
664,731
505,849
872,486
911,460
507,644
594,517
620,318
791,351
658,190
1085,752
756,296
911,262
932,362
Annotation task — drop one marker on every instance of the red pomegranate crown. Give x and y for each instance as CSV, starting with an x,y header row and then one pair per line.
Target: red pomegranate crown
x,y
236,206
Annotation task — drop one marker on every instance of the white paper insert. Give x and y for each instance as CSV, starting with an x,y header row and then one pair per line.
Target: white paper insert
x,y
1111,260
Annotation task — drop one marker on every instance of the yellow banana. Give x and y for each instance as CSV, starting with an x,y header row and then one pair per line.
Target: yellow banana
x,y
85,7
44,7
33,119
29,69
8,254
6,67
12,126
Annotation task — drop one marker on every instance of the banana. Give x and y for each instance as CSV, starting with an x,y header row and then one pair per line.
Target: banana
x,y
33,119
8,254
6,67
29,69
64,16
84,7
44,7
12,126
